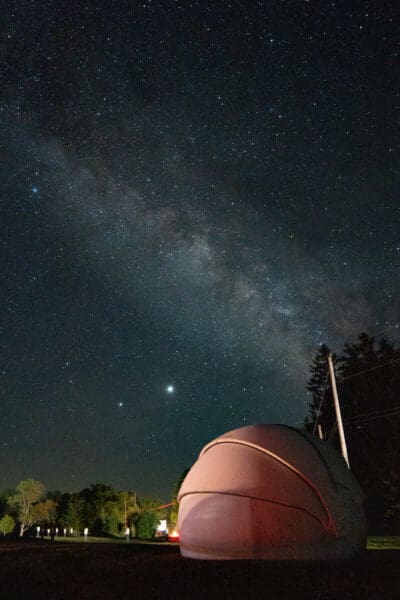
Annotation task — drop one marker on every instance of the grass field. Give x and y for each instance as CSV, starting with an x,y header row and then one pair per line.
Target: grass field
x,y
95,570
384,543
374,542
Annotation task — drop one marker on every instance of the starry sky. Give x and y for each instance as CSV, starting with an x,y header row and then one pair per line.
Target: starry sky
x,y
194,196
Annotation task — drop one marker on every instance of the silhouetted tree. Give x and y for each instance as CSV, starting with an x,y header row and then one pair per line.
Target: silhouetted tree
x,y
97,498
368,380
319,387
71,512
128,509
4,498
374,440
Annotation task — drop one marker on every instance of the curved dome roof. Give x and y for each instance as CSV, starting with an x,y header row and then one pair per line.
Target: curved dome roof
x,y
272,466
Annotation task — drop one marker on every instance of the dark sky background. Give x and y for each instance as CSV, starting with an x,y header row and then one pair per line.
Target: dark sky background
x,y
193,194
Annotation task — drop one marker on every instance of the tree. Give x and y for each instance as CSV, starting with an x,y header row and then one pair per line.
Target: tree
x,y
101,508
28,493
112,516
7,524
373,386
55,495
128,510
72,512
149,517
4,497
321,405
368,385
45,513
173,513
146,525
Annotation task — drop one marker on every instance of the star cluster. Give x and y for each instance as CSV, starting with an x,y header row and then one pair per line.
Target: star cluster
x,y
194,196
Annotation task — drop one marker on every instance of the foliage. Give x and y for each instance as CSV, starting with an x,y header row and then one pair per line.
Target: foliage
x,y
173,513
4,497
104,512
146,504
101,508
390,542
71,512
146,524
28,493
7,524
45,513
149,517
373,439
55,495
129,509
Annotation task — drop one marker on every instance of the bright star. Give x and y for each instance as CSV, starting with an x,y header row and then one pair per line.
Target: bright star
x,y
120,404
170,389
34,190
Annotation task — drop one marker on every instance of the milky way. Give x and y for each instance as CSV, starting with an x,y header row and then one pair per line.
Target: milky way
x,y
192,196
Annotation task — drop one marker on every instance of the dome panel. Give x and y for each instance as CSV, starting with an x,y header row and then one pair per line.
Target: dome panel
x,y
273,492
233,468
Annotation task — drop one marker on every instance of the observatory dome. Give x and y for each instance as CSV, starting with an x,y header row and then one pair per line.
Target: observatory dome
x,y
270,492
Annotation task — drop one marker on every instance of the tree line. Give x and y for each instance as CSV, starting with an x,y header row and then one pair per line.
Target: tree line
x,y
368,382
100,508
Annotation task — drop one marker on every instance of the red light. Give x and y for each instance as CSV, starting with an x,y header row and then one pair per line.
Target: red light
x,y
174,536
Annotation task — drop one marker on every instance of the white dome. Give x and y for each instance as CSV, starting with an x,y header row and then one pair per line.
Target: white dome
x,y
270,492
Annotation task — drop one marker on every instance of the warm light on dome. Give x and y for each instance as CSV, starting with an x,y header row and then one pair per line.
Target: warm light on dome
x,y
270,492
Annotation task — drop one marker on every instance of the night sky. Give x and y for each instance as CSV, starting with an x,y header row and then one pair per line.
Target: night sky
x,y
194,196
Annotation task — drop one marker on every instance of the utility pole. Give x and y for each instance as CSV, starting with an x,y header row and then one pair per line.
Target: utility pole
x,y
337,411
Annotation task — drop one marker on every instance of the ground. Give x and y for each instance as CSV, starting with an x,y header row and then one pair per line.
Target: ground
x,y
96,571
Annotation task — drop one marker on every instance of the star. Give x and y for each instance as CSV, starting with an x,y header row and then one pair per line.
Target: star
x,y
196,257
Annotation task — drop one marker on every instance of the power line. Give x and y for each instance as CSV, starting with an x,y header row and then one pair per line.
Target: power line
x,y
352,420
390,362
332,433
364,418
372,413
394,413
333,430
